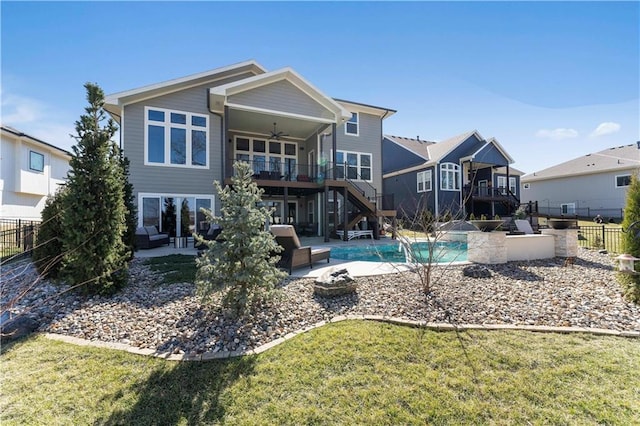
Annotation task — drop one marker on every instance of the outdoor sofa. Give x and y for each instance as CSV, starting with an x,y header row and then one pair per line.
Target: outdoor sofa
x,y
148,237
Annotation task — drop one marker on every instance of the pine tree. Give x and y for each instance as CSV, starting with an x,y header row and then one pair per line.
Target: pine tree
x,y
94,211
631,239
241,264
47,254
129,237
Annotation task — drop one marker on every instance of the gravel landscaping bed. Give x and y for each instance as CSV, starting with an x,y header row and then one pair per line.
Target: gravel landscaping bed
x,y
170,318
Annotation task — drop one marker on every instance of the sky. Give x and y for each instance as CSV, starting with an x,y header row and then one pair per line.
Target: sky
x,y
551,81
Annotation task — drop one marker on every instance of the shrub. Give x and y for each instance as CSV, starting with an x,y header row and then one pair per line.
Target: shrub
x,y
631,240
241,264
47,254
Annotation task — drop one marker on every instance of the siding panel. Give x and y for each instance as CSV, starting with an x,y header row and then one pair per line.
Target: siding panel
x,y
282,96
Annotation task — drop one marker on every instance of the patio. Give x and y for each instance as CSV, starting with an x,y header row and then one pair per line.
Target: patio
x,y
355,268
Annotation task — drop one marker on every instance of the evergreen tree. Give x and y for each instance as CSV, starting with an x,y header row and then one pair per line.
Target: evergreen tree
x,y
631,239
240,264
129,237
47,254
94,216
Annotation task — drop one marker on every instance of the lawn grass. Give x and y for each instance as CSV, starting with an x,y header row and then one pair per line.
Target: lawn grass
x,y
175,268
346,373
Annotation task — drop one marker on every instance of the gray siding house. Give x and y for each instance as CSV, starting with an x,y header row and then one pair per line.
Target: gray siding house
x,y
462,175
590,185
318,159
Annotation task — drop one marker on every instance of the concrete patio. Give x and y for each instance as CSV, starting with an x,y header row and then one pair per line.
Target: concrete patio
x,y
355,268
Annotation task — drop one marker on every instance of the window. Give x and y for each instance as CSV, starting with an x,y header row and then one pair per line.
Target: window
x,y
310,212
526,185
268,156
175,138
351,127
512,186
177,215
450,177
502,185
623,180
424,181
355,165
568,208
36,161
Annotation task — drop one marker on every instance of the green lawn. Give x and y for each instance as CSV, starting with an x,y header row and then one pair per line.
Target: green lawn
x,y
346,373
175,268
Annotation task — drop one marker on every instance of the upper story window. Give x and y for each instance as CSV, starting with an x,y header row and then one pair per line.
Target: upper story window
x,y
353,165
424,181
526,185
623,180
176,138
449,177
36,161
268,155
352,127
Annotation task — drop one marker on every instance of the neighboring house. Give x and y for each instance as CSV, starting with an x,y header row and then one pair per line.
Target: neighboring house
x,y
318,159
590,185
459,176
30,171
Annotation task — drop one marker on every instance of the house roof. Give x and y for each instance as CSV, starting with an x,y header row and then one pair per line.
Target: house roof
x,y
624,157
114,102
18,134
440,150
219,93
370,109
512,171
417,146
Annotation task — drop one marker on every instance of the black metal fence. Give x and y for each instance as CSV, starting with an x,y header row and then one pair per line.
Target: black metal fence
x,y
587,213
17,238
601,237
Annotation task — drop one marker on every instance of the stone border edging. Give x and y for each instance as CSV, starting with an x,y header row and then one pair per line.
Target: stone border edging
x,y
379,318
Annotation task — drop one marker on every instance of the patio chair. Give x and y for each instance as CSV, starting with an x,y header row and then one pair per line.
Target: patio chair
x,y
294,254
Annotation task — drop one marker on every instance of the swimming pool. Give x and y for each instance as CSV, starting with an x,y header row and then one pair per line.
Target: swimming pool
x,y
445,252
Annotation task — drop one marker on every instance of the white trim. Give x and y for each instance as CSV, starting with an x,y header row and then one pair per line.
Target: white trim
x,y
358,165
115,99
279,113
357,123
622,186
514,188
501,183
427,177
168,125
571,206
457,173
157,195
339,112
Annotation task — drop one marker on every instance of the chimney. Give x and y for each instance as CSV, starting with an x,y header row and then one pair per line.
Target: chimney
x,y
418,138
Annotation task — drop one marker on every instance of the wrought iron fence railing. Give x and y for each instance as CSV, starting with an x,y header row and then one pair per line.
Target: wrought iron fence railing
x,y
601,237
17,238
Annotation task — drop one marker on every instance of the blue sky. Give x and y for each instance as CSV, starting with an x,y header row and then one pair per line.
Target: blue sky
x,y
551,81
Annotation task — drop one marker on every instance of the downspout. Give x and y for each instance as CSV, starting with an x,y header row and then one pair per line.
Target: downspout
x,y
222,136
437,189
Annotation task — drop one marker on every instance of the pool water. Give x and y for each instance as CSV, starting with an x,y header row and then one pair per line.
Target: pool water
x,y
445,252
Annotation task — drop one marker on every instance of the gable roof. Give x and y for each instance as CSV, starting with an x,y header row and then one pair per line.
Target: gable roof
x,y
218,94
369,109
440,150
496,144
416,146
21,135
626,157
114,102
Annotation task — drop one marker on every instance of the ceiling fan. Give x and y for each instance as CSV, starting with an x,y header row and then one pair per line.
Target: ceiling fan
x,y
275,134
